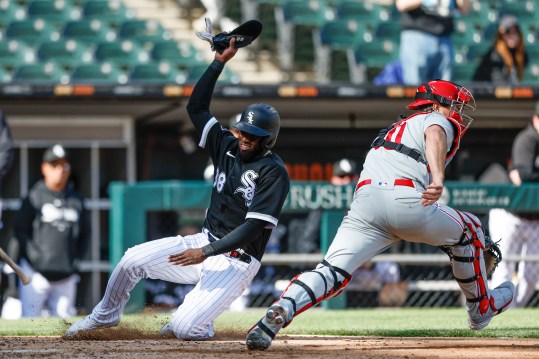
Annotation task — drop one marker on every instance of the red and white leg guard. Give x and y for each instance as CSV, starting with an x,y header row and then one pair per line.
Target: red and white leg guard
x,y
469,271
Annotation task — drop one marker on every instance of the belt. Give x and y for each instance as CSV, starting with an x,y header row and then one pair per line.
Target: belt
x,y
241,256
398,182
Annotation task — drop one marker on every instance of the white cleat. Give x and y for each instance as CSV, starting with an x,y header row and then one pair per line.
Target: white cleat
x,y
500,297
166,331
86,324
261,335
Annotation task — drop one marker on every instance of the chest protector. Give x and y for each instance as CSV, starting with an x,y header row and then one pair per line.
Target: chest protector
x,y
381,141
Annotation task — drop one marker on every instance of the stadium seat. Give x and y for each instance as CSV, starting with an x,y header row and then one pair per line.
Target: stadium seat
x,y
14,53
55,12
374,56
10,11
5,77
153,73
143,31
66,53
42,73
125,54
105,73
531,75
520,9
227,77
181,54
390,30
112,12
364,12
308,13
336,36
463,73
481,14
89,32
295,21
31,31
477,51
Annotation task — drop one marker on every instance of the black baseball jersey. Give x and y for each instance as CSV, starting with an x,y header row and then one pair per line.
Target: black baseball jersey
x,y
256,189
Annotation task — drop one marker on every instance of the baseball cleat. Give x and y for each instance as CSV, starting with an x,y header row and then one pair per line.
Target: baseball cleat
x,y
261,335
166,331
86,324
500,299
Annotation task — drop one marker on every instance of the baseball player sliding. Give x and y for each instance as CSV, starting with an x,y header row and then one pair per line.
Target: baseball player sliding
x,y
396,199
249,189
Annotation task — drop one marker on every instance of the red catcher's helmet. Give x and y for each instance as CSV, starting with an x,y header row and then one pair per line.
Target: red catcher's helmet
x,y
446,93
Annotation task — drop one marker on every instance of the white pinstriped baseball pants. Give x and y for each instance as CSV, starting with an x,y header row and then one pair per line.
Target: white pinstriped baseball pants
x,y
219,281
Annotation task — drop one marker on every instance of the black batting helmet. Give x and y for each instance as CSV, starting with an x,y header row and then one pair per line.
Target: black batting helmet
x,y
261,120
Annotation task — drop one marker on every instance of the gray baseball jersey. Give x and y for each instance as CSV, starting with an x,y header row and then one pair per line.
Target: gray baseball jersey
x,y
384,164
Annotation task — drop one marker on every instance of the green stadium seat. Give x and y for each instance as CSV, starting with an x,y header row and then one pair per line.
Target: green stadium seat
x,y
31,31
56,12
365,12
520,9
10,11
66,53
113,12
389,30
181,54
98,74
89,32
477,51
463,73
307,13
42,73
228,76
480,15
5,76
272,2
531,75
162,73
125,54
143,31
375,56
343,34
14,53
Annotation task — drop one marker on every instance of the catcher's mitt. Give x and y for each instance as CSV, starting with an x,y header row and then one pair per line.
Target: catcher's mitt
x,y
244,34
492,255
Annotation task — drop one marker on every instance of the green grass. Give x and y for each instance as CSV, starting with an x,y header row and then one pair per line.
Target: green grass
x,y
398,322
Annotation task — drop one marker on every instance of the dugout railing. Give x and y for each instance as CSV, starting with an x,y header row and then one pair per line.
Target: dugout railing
x,y
131,203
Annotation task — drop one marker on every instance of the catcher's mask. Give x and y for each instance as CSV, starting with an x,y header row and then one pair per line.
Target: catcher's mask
x,y
261,120
447,93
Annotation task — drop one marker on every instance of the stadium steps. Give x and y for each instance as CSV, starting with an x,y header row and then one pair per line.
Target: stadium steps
x,y
252,68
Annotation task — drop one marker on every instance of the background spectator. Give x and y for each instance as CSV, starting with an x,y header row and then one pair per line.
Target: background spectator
x,y
506,59
519,232
52,232
6,159
426,49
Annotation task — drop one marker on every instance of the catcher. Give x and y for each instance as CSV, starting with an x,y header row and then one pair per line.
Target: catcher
x,y
396,198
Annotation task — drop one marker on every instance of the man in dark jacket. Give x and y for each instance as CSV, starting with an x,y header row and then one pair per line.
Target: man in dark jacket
x,y
52,232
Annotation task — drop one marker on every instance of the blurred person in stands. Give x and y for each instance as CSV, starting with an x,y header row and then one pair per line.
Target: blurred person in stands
x,y
426,49
53,234
506,59
519,231
6,159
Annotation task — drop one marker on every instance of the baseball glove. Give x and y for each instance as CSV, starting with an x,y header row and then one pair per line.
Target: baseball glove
x,y
244,34
492,255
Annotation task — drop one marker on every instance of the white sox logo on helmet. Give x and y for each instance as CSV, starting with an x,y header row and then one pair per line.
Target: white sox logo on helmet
x,y
248,192
250,117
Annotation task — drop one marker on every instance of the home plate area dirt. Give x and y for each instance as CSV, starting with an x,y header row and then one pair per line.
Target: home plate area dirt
x,y
133,344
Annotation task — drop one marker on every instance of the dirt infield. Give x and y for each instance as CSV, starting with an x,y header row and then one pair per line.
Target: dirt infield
x,y
133,344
